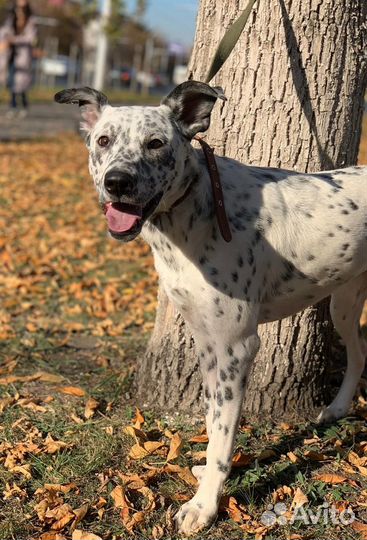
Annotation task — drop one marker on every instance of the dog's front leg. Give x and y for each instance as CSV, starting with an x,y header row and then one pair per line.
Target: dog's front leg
x,y
208,367
233,364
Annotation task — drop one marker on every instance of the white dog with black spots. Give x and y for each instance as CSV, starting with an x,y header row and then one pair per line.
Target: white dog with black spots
x,y
297,238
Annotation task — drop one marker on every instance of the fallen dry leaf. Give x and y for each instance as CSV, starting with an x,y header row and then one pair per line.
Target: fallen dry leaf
x,y
139,451
299,499
5,403
360,528
282,493
136,481
90,408
72,391
52,535
293,457
51,446
265,454
183,472
119,498
38,376
330,478
233,509
62,515
14,491
136,519
80,514
136,433
200,438
78,534
139,420
314,456
175,447
242,460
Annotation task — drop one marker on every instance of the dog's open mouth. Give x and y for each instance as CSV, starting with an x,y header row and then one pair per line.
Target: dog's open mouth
x,y
126,220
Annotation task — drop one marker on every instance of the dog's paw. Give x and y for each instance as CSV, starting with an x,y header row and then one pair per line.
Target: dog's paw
x,y
331,414
198,471
194,516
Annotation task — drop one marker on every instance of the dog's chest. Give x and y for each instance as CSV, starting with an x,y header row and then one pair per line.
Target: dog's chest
x,y
181,279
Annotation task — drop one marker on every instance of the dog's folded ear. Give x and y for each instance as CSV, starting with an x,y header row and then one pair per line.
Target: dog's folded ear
x,y
191,103
89,100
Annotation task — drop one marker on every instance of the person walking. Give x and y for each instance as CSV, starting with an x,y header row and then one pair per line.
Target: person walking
x,y
17,37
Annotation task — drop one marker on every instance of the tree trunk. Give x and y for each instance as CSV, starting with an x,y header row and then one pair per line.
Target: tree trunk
x,y
295,85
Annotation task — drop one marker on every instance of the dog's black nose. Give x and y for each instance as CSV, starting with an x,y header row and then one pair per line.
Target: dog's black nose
x,y
118,183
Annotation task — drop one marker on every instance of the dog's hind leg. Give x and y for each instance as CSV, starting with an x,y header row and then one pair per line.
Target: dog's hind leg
x,y
234,361
346,308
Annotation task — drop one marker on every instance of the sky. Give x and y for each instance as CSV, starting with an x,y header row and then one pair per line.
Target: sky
x,y
175,19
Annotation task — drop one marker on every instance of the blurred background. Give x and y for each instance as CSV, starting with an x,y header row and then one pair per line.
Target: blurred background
x,y
135,50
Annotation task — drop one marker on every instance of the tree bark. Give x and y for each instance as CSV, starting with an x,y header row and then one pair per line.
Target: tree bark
x,y
295,84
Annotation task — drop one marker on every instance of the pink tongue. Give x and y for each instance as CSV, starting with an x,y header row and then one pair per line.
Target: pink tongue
x,y
122,217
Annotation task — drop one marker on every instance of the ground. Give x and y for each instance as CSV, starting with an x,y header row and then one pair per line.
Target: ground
x,y
77,460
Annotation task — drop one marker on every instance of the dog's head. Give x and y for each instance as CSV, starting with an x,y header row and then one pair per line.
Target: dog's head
x,y
138,156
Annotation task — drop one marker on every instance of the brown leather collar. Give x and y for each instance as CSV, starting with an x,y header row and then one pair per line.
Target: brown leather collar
x,y
218,197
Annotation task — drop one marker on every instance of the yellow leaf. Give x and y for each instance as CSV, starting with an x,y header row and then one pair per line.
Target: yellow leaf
x,y
293,457
52,446
331,478
149,447
139,419
78,534
357,461
90,408
62,514
137,434
38,376
183,472
200,438
284,426
299,499
153,446
307,442
76,418
138,452
234,510
5,403
149,495
63,488
136,519
22,469
361,528
157,532
80,514
281,493
119,498
197,456
52,535
14,491
175,447
48,377
72,391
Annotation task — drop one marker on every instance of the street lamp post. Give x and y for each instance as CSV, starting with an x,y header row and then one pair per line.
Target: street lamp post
x,y
102,46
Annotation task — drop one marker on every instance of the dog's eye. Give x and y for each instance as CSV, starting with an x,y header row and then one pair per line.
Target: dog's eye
x,y
154,144
103,141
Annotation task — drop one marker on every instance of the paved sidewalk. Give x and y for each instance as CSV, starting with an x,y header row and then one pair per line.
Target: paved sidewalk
x,y
44,120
